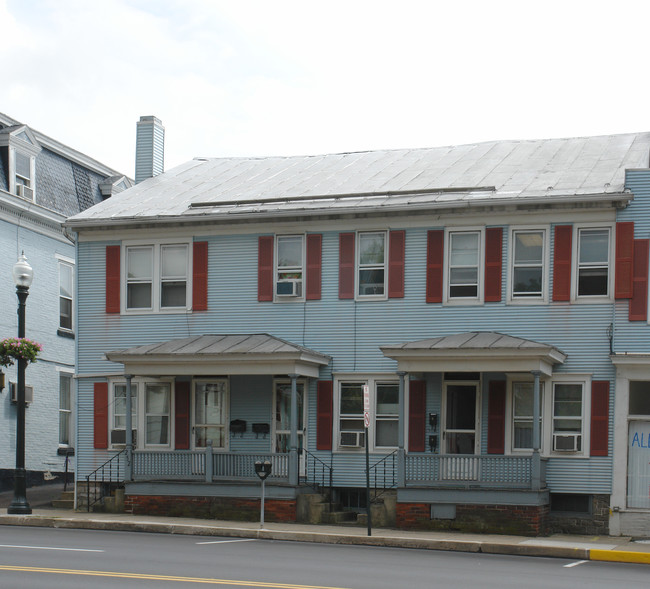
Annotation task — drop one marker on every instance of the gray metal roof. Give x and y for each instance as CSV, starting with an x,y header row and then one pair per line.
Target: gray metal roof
x,y
495,172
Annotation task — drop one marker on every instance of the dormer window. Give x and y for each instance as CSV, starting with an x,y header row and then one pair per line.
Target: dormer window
x,y
22,149
23,175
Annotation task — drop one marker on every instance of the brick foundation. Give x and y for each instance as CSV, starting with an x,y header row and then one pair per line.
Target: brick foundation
x,y
527,520
227,508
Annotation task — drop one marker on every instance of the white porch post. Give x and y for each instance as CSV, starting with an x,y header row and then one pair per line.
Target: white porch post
x,y
401,455
536,466
128,469
293,437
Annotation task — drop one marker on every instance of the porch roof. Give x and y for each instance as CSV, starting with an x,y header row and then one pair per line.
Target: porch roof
x,y
476,351
212,355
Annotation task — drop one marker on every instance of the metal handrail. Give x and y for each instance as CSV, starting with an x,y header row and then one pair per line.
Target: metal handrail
x,y
318,467
383,474
108,465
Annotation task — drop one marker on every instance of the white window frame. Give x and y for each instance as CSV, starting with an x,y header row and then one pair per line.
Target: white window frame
x,y
372,381
522,299
68,411
277,270
156,277
30,182
577,229
480,287
226,411
380,266
549,406
512,380
68,263
305,412
139,416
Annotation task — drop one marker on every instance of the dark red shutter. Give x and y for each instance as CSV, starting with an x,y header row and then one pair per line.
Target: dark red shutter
x,y
200,276
562,263
638,306
396,247
112,278
599,417
624,260
496,417
100,419
182,415
417,415
435,259
314,263
346,265
265,268
493,260
324,415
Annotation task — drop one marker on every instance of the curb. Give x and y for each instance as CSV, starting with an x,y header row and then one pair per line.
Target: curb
x,y
471,546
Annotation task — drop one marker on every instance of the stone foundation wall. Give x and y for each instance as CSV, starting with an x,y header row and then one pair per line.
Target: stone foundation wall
x,y
524,520
227,508
595,523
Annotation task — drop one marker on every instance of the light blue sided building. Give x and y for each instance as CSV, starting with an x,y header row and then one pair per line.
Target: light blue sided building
x,y
41,183
470,313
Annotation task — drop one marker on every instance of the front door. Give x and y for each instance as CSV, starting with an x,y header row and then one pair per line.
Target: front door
x,y
638,465
460,412
282,421
210,412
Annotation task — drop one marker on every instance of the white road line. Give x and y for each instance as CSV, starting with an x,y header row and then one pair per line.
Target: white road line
x,y
49,548
574,564
227,541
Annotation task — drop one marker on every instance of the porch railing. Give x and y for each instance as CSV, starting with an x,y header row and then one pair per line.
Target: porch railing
x,y
452,469
241,465
184,466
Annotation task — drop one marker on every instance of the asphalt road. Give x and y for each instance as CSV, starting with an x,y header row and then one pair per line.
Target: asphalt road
x,y
38,558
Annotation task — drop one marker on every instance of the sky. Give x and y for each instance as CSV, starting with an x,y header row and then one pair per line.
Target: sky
x,y
289,77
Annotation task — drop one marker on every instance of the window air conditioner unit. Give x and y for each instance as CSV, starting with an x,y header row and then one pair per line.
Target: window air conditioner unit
x,y
13,390
25,191
352,439
118,436
288,288
566,442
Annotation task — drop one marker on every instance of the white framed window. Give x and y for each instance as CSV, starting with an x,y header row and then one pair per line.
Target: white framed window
x,y
22,150
66,291
371,265
464,265
593,255
210,415
157,277
528,265
521,413
568,417
282,412
289,267
151,412
384,406
65,410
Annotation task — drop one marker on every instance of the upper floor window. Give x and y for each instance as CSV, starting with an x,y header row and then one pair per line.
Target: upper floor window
x,y
464,265
528,269
289,275
65,295
371,264
593,262
157,276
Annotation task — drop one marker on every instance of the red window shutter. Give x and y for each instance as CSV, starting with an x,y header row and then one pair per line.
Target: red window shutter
x,y
417,415
265,268
314,263
638,306
624,260
200,276
562,263
324,415
346,265
182,415
493,258
496,417
396,247
112,278
100,420
599,417
435,252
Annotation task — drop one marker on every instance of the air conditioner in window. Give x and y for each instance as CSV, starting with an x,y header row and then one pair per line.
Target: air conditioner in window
x,y
352,439
566,442
118,436
13,390
288,288
25,191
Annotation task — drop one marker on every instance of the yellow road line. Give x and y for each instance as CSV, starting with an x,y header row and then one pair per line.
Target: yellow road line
x,y
620,556
119,575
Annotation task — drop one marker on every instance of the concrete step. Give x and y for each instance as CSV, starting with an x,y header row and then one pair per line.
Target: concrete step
x,y
339,517
63,503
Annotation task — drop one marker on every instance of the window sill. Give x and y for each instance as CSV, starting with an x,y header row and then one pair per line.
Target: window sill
x,y
65,333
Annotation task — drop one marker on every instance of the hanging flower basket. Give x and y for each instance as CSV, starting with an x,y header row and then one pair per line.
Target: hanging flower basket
x,y
15,348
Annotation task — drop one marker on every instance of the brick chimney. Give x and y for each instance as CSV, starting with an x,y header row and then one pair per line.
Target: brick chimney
x,y
149,148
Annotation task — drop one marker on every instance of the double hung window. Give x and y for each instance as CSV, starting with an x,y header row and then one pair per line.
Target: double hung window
x,y
568,416
528,264
289,266
593,262
65,295
210,413
371,264
65,409
522,415
464,272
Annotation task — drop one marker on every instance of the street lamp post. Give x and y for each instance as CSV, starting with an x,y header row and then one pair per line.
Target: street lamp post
x,y
23,276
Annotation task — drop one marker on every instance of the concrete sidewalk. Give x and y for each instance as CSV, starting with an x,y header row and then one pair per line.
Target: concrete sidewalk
x,y
607,548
